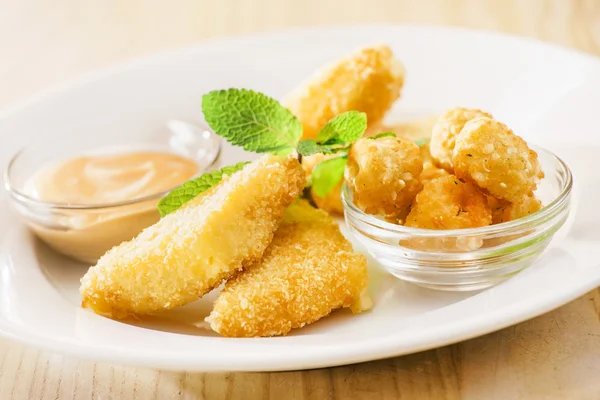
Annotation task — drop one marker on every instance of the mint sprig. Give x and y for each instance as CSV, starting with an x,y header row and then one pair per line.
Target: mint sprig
x,y
252,120
337,135
261,124
309,147
190,189
345,128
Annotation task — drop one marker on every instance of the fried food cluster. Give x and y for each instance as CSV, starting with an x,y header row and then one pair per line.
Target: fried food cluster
x,y
383,175
430,169
504,211
307,271
285,265
192,250
449,203
443,135
489,154
474,171
368,80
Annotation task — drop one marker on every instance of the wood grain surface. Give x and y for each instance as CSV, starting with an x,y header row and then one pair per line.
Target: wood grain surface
x,y
555,356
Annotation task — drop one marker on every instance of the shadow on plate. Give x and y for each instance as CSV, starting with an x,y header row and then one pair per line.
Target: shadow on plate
x,y
404,300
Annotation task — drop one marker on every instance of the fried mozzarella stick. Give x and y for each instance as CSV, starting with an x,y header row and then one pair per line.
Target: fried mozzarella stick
x,y
308,271
369,80
192,250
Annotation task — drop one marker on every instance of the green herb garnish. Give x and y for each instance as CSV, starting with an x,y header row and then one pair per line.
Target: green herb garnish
x,y
309,147
252,120
346,128
337,135
190,189
261,124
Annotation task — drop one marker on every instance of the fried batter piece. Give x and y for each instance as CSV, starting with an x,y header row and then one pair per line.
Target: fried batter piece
x,y
192,250
449,203
369,80
446,129
489,154
384,175
332,202
430,170
308,271
504,211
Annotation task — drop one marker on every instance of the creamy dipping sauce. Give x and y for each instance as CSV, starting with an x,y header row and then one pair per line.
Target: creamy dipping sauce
x,y
86,234
111,178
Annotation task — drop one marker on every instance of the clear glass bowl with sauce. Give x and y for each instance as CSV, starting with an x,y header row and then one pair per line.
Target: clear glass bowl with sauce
x,y
467,259
83,221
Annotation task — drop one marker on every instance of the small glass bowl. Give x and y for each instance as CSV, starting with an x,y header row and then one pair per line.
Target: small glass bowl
x,y
467,259
86,231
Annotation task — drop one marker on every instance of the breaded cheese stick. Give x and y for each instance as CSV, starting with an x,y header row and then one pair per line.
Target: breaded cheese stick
x,y
308,271
369,80
192,250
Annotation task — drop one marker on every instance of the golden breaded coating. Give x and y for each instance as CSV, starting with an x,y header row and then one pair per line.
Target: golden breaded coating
x,y
369,80
489,154
308,271
449,203
332,202
384,175
426,153
504,211
446,129
190,251
431,172
430,169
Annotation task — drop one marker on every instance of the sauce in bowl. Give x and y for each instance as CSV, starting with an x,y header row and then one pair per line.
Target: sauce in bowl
x,y
97,201
102,179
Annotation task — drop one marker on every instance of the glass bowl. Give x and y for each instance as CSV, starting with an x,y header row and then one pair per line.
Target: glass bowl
x,y
467,259
86,231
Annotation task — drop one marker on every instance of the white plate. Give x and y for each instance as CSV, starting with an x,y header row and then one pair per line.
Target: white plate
x,y
549,95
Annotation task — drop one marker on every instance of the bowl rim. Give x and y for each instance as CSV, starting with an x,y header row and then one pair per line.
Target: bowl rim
x,y
24,198
530,220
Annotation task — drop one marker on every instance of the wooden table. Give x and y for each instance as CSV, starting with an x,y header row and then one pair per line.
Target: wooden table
x,y
555,356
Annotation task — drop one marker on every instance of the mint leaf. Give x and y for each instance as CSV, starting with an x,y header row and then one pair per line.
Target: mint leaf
x,y
382,135
309,147
252,120
421,142
327,174
344,128
190,189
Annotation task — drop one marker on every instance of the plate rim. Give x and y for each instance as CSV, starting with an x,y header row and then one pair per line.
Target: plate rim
x,y
131,63
373,351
